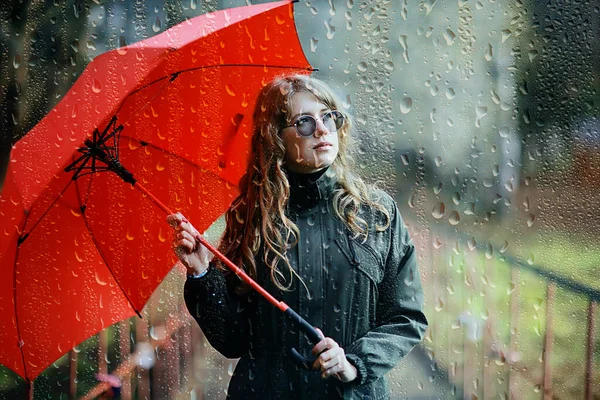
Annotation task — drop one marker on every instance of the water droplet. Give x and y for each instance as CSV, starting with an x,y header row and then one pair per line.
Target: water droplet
x,y
506,34
504,131
531,259
98,280
410,278
500,359
532,54
96,86
472,243
229,90
439,305
485,314
403,42
361,66
156,25
313,44
17,61
330,29
454,218
456,198
450,289
470,208
411,200
480,112
489,251
438,210
337,308
450,93
429,5
449,36
388,65
530,220
406,105
489,52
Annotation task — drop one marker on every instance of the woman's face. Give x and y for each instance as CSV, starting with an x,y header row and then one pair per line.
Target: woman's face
x,y
312,153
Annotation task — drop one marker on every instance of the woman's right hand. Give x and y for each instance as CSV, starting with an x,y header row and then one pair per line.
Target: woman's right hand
x,y
188,249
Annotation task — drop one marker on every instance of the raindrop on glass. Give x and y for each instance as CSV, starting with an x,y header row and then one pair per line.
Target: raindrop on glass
x,y
406,105
96,86
454,218
156,26
438,210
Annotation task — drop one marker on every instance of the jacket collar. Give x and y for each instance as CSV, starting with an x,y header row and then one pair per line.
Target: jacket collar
x,y
308,190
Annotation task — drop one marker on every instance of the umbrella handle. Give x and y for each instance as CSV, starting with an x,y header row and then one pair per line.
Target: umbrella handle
x,y
313,336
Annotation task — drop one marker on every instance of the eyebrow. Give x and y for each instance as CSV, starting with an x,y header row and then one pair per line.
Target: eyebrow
x,y
307,113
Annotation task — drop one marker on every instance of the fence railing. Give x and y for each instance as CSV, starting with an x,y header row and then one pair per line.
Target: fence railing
x,y
481,358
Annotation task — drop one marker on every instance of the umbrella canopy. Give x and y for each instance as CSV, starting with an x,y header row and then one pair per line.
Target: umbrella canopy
x,y
82,248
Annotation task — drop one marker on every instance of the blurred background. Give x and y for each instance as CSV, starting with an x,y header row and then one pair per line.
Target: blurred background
x,y
482,118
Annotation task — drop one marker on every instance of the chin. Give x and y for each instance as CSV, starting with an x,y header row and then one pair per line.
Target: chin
x,y
324,162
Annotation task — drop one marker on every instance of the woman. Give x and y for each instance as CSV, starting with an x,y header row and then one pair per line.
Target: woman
x,y
315,236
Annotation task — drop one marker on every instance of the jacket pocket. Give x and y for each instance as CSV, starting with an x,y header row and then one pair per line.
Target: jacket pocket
x,y
362,256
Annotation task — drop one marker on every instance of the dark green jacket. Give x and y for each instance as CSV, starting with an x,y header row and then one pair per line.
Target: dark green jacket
x,y
365,296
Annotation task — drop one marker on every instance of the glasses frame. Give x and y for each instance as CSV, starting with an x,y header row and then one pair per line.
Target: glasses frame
x,y
295,124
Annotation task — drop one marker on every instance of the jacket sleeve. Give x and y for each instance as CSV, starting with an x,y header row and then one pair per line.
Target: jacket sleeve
x,y
400,322
220,312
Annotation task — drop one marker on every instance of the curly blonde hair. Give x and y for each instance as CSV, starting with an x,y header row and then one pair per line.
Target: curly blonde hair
x,y
257,217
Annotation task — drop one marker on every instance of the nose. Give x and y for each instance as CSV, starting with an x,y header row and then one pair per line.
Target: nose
x,y
321,129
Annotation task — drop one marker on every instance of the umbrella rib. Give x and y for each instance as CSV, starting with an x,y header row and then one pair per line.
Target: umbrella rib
x,y
96,244
174,75
147,144
20,343
26,234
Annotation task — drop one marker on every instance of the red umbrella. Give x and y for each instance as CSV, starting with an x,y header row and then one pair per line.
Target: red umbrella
x,y
82,248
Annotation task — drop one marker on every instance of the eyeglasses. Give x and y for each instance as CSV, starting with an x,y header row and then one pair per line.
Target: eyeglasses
x,y
306,125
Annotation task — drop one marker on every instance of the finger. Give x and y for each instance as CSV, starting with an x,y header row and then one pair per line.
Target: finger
x,y
189,228
316,364
323,345
333,361
187,245
336,370
174,220
328,357
187,236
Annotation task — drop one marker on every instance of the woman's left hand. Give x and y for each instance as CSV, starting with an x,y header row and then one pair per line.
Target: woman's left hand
x,y
332,360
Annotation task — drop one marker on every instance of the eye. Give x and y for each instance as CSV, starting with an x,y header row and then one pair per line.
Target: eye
x,y
302,121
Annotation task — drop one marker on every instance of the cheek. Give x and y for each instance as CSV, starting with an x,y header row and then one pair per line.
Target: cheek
x,y
298,151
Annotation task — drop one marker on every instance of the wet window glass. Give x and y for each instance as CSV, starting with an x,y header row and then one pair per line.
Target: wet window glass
x,y
480,118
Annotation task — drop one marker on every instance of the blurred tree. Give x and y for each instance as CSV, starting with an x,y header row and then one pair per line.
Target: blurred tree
x,y
557,51
41,42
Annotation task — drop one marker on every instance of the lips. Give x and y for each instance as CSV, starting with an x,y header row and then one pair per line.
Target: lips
x,y
322,144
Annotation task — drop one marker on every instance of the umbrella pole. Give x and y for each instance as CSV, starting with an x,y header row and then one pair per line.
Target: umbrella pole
x,y
238,271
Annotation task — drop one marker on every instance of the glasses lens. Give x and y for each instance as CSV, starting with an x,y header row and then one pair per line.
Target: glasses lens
x,y
333,121
306,125
338,117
